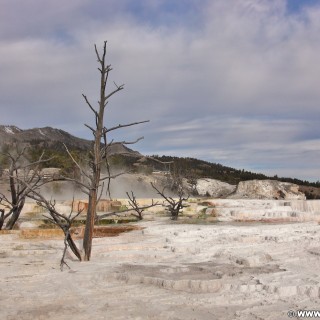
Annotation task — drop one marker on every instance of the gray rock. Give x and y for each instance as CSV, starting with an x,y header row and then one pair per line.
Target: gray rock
x,y
267,189
214,188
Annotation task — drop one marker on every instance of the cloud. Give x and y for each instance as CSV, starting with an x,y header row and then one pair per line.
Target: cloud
x,y
271,146
233,82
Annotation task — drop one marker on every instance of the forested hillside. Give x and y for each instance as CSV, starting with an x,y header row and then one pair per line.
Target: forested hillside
x,y
52,142
191,167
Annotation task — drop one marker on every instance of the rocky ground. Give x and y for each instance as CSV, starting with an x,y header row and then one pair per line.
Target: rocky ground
x,y
167,270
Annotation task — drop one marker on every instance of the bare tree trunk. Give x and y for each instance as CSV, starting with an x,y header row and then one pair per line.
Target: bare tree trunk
x,y
88,232
97,156
73,246
15,214
1,218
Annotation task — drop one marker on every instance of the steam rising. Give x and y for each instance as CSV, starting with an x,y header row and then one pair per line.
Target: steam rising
x,y
138,183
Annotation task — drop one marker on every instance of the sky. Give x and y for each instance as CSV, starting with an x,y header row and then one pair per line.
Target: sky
x,y
234,82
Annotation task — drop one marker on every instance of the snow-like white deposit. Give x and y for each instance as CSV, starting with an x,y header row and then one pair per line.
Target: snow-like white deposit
x,y
40,131
166,271
8,130
214,188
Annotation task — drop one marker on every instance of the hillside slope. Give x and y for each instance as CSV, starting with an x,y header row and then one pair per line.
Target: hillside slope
x,y
48,137
51,140
195,168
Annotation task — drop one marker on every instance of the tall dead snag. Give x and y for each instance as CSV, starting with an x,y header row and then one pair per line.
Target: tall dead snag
x,y
20,173
99,153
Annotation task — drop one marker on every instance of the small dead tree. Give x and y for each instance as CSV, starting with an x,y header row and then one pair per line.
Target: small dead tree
x,y
20,173
64,222
135,206
193,181
174,206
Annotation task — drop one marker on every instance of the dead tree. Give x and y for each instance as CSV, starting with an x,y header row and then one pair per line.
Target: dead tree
x,y
135,206
192,181
63,221
20,173
174,206
91,181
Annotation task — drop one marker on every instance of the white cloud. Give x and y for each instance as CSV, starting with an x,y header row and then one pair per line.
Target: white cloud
x,y
240,88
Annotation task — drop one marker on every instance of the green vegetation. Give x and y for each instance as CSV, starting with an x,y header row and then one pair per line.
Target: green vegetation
x,y
59,157
188,167
195,169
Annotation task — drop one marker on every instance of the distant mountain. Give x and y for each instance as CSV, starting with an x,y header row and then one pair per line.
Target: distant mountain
x,y
39,136
48,137
51,140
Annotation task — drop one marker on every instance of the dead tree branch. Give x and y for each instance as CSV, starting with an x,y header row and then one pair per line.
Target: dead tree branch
x,y
119,126
126,142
